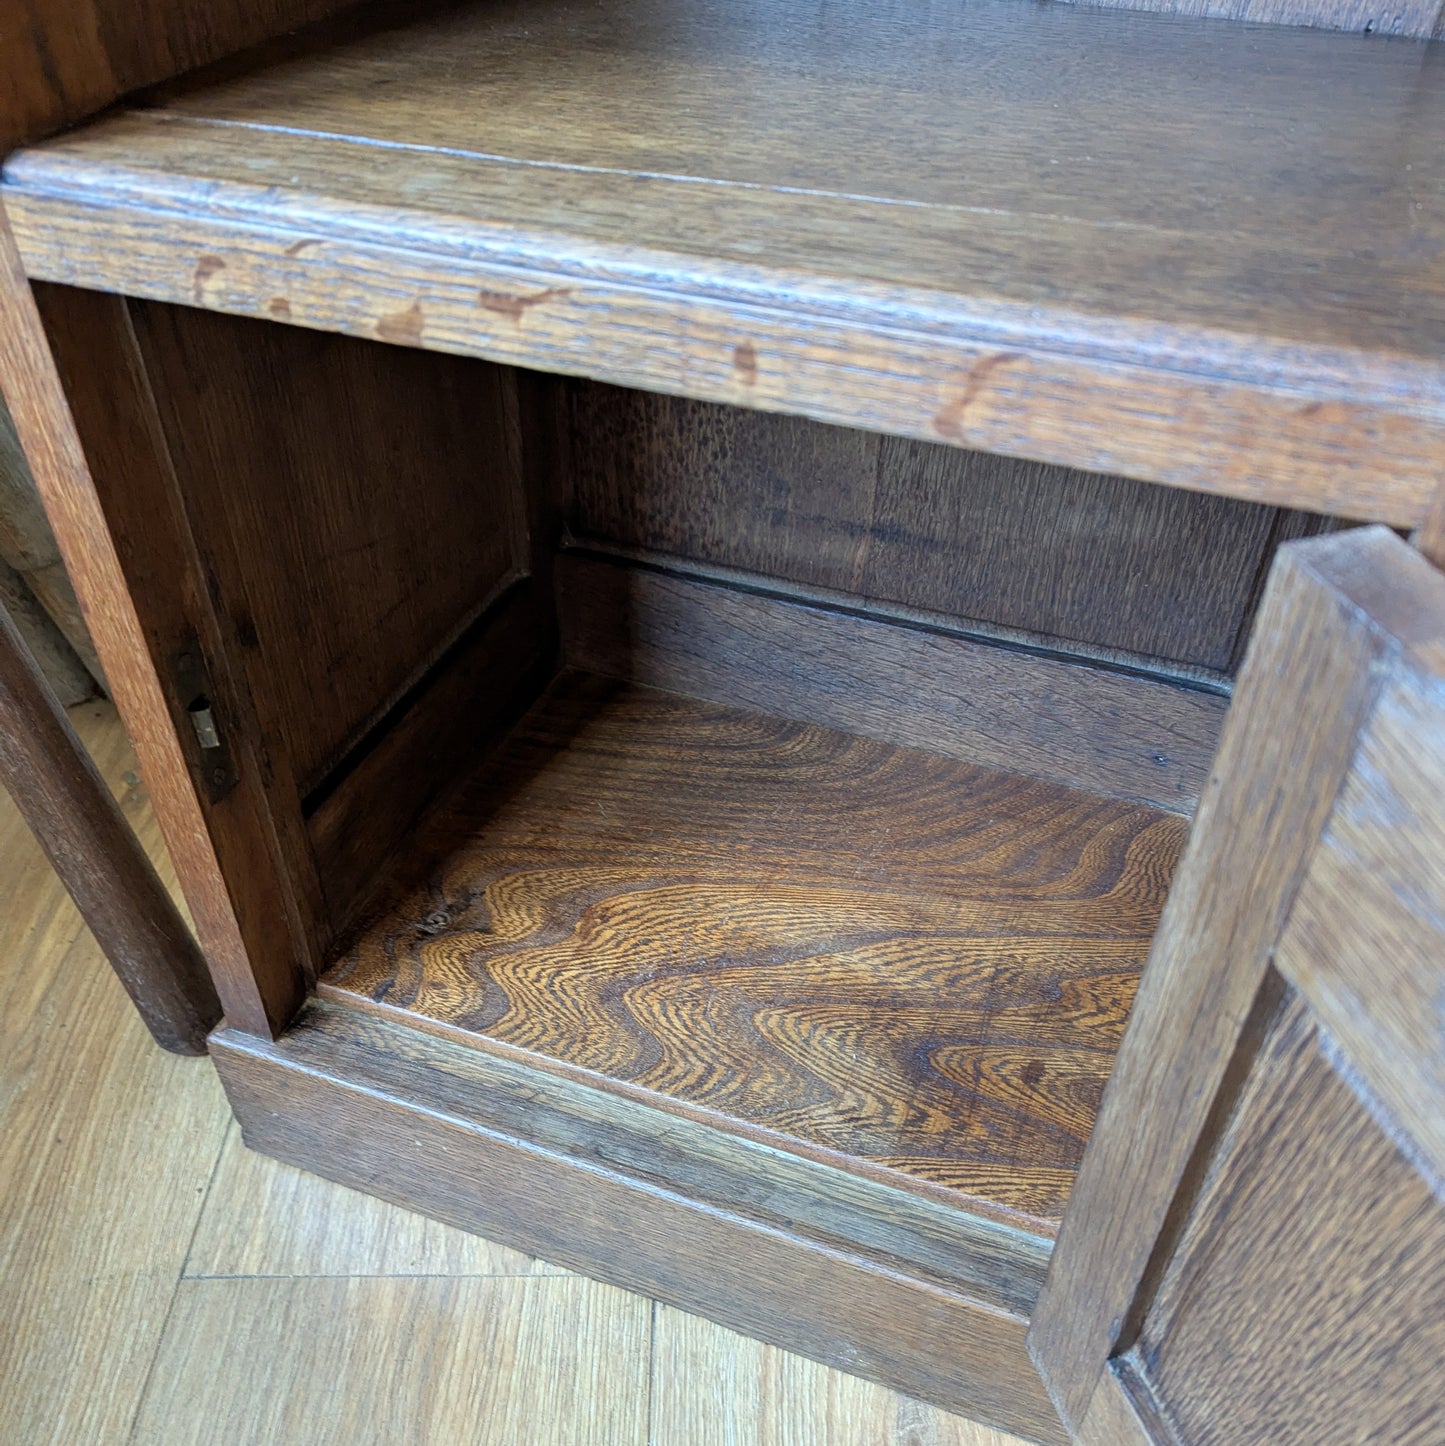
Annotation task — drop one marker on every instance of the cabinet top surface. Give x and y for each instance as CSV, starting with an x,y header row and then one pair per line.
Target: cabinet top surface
x,y
1259,203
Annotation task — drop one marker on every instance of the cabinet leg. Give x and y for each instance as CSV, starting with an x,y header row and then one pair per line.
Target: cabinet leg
x,y
84,834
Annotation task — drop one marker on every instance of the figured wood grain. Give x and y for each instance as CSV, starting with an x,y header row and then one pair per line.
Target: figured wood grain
x,y
293,451
85,836
113,1147
972,1247
120,517
972,226
1337,611
1095,728
880,953
1066,554
485,1359
1306,1300
413,1137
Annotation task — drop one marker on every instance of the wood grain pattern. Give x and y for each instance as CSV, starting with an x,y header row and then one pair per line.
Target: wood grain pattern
x,y
1125,278
1336,610
1104,730
1421,18
415,1131
85,836
1430,538
478,689
64,674
1070,555
968,1247
1114,1419
119,515
1315,1230
884,954
357,505
424,1360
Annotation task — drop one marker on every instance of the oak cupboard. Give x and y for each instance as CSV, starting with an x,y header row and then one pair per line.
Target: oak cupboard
x,y
769,643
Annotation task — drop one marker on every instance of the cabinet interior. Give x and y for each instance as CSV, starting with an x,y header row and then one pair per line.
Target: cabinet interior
x,y
818,785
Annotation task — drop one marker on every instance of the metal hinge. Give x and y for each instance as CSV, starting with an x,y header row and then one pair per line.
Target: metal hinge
x,y
206,744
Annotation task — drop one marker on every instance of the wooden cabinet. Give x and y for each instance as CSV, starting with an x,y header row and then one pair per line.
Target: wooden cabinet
x,y
679,576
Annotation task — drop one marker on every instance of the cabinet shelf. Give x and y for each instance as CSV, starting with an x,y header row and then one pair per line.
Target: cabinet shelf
x,y
1189,252
893,963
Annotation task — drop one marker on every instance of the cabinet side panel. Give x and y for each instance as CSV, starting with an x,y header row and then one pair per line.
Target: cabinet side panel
x,y
82,408
359,506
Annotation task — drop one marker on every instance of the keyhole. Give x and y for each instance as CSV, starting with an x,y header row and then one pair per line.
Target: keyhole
x,y
203,720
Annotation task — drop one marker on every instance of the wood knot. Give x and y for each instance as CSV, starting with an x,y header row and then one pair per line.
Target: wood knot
x,y
435,923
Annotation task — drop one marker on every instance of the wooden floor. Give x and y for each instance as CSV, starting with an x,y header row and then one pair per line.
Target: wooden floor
x,y
158,1283
892,957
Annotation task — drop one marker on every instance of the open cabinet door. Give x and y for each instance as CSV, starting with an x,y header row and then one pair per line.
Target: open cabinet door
x,y
1255,1249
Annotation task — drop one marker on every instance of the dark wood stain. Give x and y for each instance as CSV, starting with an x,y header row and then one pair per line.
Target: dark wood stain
x,y
745,363
403,327
206,267
1106,732
1342,618
949,422
516,307
85,836
420,1121
896,957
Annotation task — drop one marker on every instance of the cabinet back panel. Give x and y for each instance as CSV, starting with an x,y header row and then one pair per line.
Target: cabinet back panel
x,y
359,504
1083,558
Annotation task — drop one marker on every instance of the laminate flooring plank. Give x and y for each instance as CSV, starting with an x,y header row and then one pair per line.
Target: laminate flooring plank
x,y
376,1362
713,1387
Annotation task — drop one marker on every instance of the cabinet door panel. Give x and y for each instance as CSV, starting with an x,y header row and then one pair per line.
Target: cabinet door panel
x,y
1306,1300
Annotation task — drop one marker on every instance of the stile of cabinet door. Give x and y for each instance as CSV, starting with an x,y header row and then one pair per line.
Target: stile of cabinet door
x,y
1255,1250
